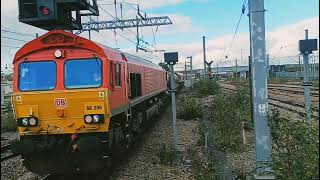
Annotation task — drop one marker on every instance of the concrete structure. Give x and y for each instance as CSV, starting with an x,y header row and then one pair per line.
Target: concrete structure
x,y
6,91
290,71
225,71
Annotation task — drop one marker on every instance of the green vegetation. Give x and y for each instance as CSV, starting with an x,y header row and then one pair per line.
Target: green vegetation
x,y
189,108
295,148
164,66
8,123
277,80
167,155
230,110
204,88
315,83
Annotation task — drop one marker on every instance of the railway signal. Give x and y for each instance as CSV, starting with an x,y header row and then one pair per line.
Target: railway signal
x,y
56,14
209,69
306,47
171,59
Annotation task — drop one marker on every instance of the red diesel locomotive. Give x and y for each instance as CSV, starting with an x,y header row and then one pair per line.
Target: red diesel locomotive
x,y
77,102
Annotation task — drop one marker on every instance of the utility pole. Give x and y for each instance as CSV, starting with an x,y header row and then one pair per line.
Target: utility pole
x,y
204,56
185,69
236,68
268,67
217,70
191,71
241,54
260,90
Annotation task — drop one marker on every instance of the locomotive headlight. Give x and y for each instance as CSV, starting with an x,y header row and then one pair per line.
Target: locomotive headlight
x,y
88,119
58,53
25,121
96,118
32,121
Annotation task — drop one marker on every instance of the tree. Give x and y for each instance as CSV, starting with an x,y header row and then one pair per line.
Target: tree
x,y
164,66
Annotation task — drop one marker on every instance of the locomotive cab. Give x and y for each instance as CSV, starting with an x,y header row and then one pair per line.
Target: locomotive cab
x,y
60,102
60,90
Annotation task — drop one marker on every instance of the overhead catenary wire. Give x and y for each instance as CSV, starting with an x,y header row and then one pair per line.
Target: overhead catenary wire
x,y
116,18
244,6
13,32
117,33
14,39
10,46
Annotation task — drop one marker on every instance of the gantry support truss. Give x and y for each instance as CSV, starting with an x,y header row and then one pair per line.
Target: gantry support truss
x,y
125,23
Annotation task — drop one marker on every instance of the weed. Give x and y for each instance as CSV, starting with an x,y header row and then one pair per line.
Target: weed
x,y
204,88
295,148
189,108
8,123
167,155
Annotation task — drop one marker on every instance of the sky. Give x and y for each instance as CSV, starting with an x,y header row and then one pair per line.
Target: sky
x,y
285,21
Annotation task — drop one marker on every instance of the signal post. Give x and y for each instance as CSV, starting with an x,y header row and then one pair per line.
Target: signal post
x,y
171,59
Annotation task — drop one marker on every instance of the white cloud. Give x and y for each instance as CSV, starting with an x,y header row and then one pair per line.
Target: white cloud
x,y
286,36
9,21
159,3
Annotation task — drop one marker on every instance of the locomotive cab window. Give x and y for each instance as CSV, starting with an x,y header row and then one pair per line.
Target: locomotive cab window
x,y
83,73
40,75
118,74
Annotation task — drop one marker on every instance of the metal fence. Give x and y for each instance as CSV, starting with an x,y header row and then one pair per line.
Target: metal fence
x,y
297,75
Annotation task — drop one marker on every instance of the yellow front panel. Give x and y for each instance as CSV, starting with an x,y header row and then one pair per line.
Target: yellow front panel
x,y
73,104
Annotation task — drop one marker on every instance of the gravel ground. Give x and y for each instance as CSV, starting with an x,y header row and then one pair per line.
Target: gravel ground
x,y
12,169
144,161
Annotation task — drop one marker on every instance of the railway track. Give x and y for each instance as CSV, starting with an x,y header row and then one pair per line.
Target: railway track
x,y
283,104
292,89
6,152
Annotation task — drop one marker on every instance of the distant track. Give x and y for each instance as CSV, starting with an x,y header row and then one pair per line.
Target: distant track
x,y
287,105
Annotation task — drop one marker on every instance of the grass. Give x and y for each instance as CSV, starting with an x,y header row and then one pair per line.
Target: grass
x,y
189,108
277,80
8,123
168,156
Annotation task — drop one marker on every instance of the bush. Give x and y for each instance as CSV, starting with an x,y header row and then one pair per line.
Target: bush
x,y
204,88
167,155
278,80
229,111
189,108
8,123
295,148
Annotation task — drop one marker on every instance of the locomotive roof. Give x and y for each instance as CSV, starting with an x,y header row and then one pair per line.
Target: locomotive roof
x,y
132,58
79,42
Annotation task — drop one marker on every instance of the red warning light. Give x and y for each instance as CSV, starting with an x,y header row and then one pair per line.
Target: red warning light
x,y
44,10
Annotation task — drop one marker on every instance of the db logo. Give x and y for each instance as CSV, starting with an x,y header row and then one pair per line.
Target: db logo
x,y
60,102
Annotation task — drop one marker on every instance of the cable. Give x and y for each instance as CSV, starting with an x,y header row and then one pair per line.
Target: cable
x,y
119,20
277,54
17,33
234,35
10,46
14,39
146,49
